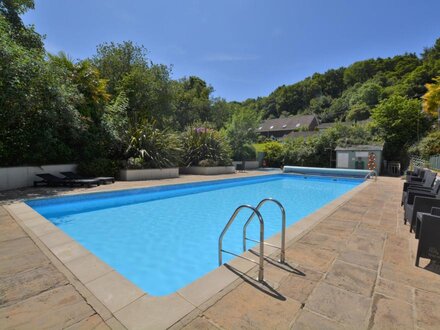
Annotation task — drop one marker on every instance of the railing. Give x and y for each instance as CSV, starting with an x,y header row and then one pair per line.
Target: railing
x,y
434,162
372,173
283,228
261,257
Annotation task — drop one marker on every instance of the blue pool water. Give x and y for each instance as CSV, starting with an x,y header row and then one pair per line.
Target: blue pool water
x,y
164,238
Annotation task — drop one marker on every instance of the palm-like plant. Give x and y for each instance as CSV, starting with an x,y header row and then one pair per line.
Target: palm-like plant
x,y
150,147
204,144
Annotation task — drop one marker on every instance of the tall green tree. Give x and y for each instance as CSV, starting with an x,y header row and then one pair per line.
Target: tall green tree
x,y
241,131
146,86
400,122
192,101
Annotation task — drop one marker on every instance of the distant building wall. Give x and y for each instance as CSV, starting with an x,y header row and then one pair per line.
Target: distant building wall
x,y
351,158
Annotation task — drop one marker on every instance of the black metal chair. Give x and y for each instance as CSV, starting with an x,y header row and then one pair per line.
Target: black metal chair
x,y
241,167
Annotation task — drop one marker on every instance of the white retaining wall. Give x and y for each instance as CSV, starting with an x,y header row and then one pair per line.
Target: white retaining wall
x,y
248,165
24,176
148,174
214,170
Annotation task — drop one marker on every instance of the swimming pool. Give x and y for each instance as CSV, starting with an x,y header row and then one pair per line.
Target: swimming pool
x,y
164,238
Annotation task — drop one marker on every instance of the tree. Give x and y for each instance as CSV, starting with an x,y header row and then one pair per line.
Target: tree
x,y
10,10
147,86
400,122
359,111
191,101
241,131
431,99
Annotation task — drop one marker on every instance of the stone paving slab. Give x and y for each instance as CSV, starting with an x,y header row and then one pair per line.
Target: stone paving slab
x,y
34,294
60,307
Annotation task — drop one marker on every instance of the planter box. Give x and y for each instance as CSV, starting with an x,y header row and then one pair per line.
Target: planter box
x,y
215,170
249,164
149,174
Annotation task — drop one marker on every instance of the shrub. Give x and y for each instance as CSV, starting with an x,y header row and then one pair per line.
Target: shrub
x,y
246,152
208,163
430,145
300,152
153,148
98,167
202,144
273,153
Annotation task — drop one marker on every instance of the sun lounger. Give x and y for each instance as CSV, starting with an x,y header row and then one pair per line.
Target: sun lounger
x,y
102,179
52,180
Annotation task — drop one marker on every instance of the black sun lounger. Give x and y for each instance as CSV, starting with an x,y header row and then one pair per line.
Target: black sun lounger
x,y
52,180
102,179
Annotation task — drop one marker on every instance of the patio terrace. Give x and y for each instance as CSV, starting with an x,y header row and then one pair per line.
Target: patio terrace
x,y
353,269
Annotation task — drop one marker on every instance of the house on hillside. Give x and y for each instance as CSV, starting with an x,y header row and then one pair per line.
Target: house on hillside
x,y
280,127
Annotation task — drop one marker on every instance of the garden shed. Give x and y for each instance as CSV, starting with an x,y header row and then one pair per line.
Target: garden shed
x,y
362,157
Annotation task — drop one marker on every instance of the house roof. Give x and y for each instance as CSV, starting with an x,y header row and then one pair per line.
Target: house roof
x,y
361,148
286,124
293,135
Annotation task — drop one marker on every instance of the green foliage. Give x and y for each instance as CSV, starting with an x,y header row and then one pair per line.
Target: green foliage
x,y
273,153
316,150
201,143
153,147
300,152
191,101
400,122
25,36
360,111
248,152
241,131
430,145
98,167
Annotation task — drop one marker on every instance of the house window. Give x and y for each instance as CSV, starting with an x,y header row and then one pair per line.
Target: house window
x,y
298,125
271,127
260,127
284,126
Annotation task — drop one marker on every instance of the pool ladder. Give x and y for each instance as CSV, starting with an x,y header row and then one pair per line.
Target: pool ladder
x,y
255,212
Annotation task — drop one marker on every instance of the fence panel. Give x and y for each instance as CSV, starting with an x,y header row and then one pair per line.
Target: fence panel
x,y
434,162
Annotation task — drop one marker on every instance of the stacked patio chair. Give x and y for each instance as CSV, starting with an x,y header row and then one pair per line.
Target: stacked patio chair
x,y
417,173
427,185
428,233
421,202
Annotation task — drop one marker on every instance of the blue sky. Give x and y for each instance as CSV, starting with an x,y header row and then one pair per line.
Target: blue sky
x,y
243,48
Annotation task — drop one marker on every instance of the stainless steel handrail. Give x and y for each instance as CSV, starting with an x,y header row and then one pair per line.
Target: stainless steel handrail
x,y
369,175
231,220
283,227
